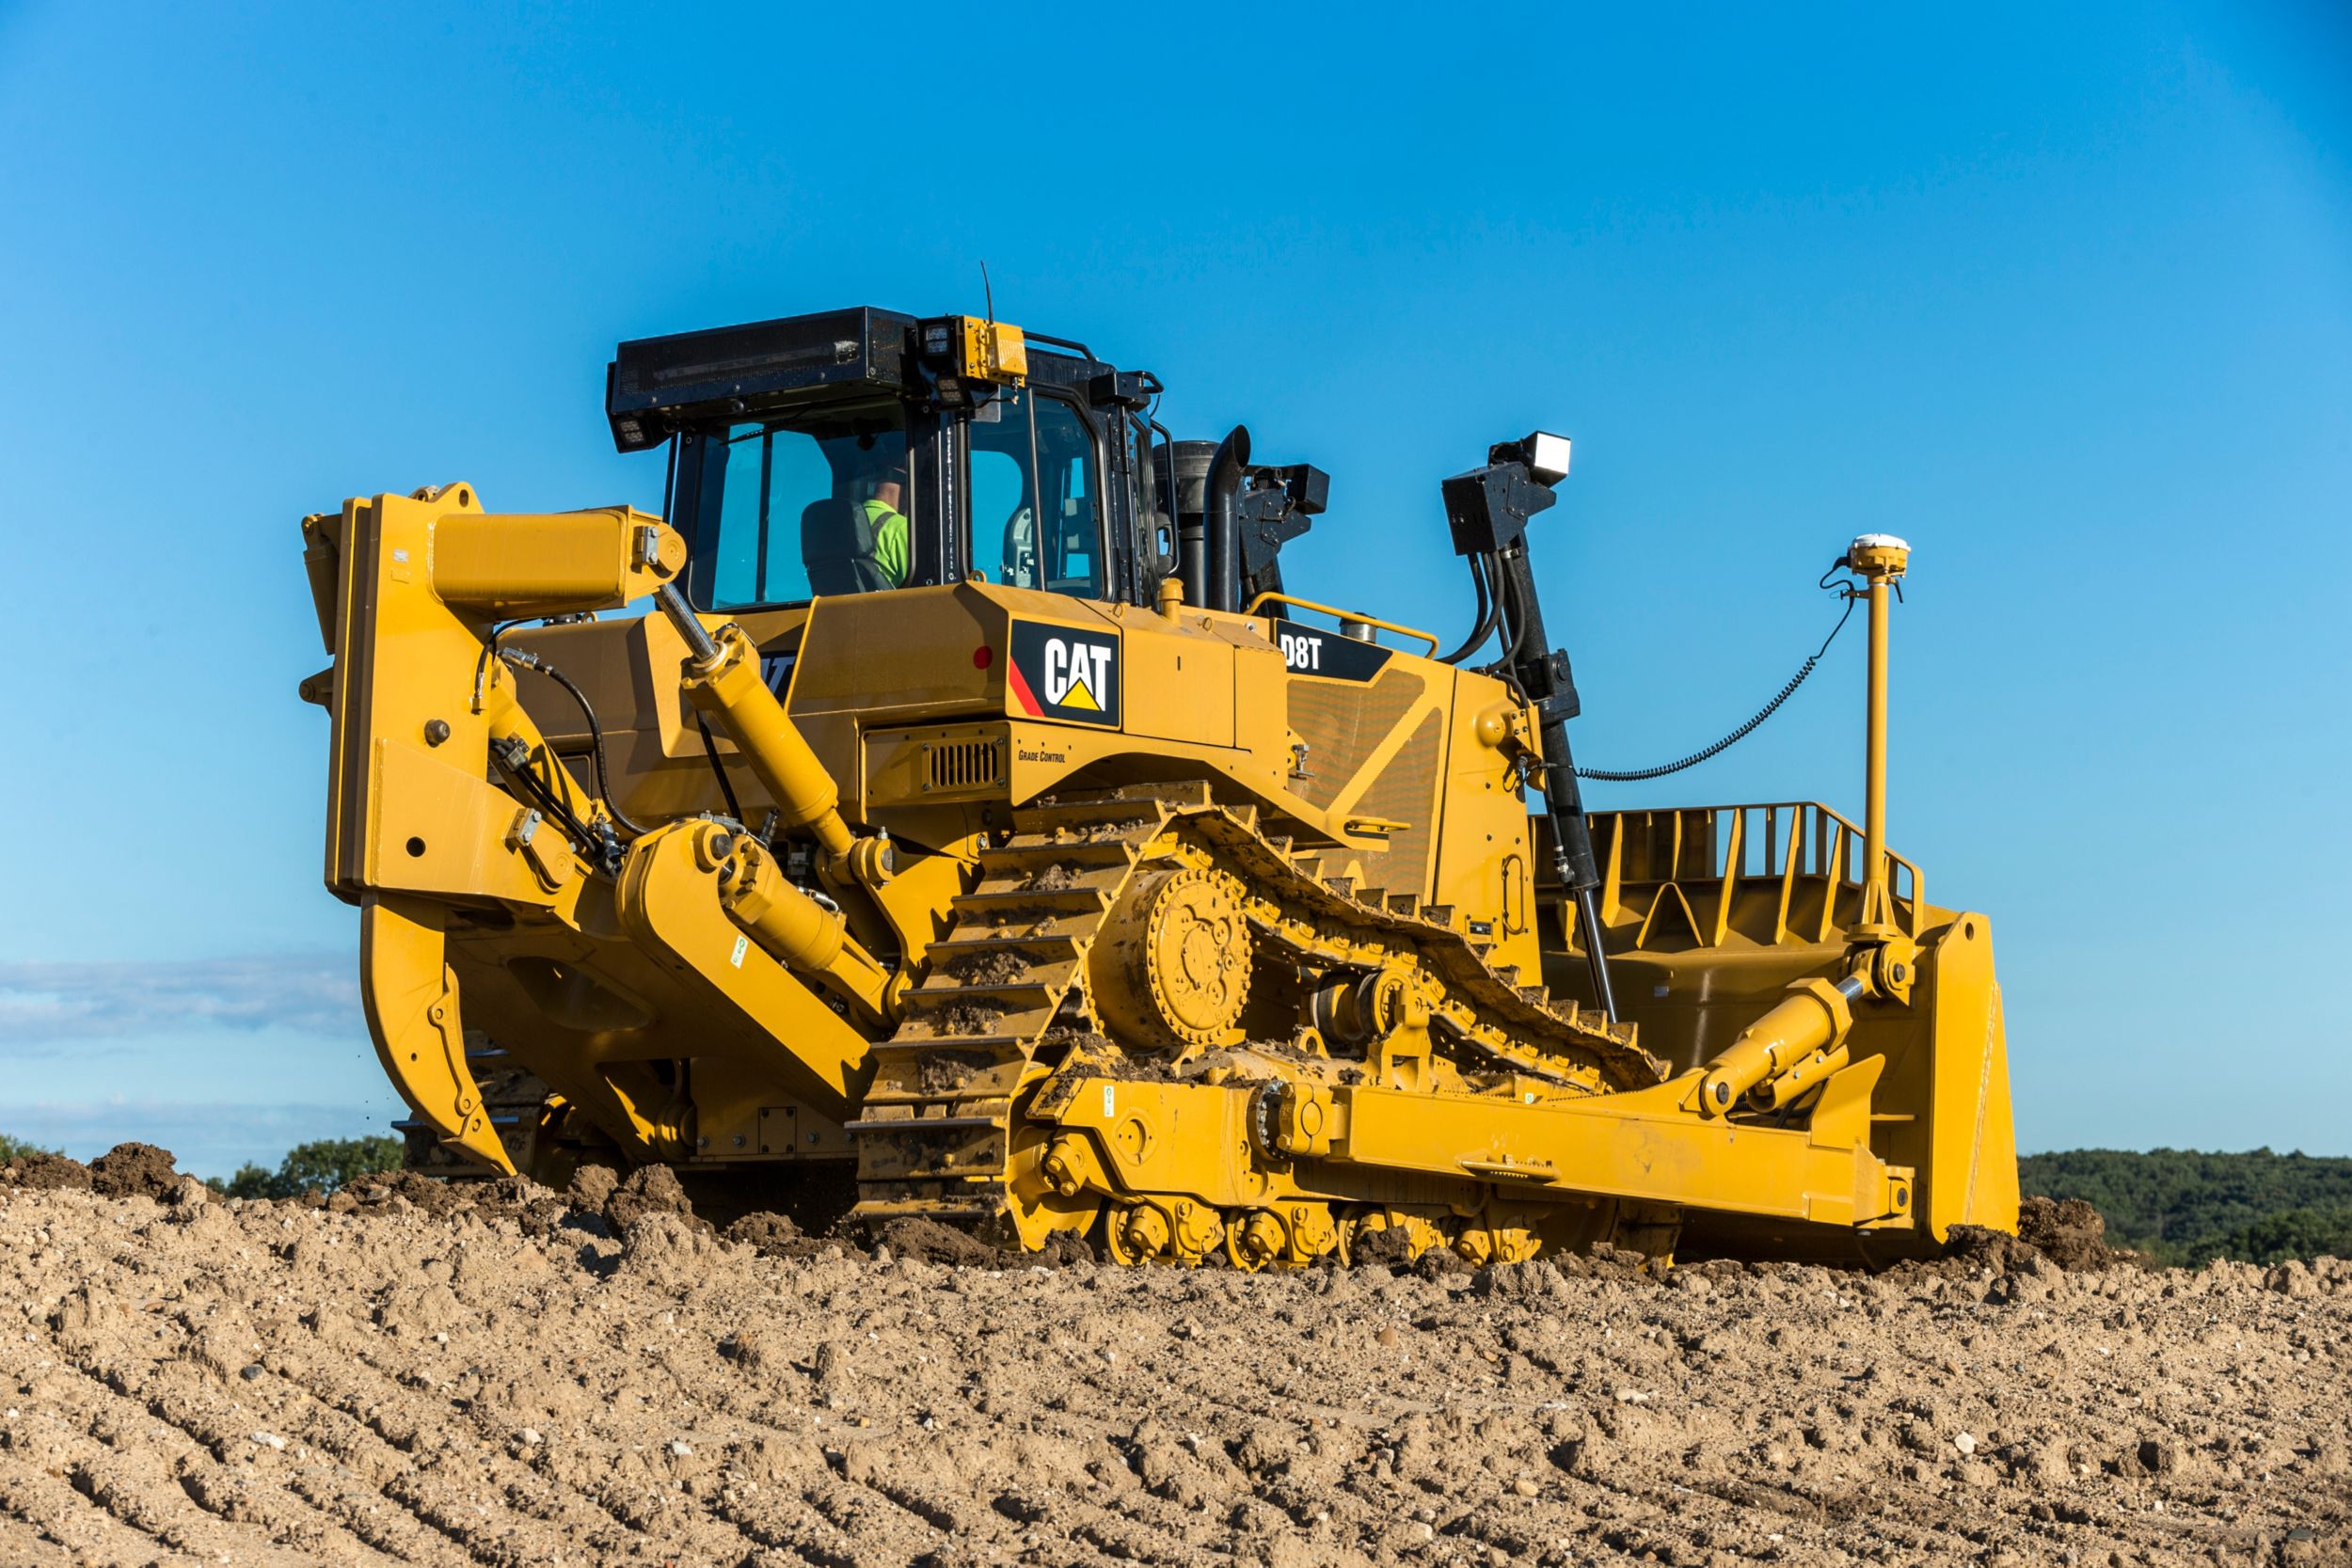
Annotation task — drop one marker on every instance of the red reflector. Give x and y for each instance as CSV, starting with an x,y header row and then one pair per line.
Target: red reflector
x,y
982,657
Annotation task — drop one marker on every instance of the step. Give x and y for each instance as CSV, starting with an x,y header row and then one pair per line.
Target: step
x,y
895,1046
923,1208
1085,813
1045,947
1034,990
993,1040
1077,899
1030,854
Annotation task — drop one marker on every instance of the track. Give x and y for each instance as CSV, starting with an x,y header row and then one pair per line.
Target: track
x,y
528,1384
1006,1003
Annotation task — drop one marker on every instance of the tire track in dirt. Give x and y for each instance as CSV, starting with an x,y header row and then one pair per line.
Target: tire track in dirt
x,y
528,1382
128,1418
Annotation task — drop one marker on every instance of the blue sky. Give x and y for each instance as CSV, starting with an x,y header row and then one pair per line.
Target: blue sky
x,y
2064,294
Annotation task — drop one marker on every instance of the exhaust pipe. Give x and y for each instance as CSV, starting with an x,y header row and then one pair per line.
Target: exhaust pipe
x,y
1223,589
1181,476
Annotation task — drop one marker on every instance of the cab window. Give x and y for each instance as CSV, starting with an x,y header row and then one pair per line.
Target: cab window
x,y
1035,511
786,511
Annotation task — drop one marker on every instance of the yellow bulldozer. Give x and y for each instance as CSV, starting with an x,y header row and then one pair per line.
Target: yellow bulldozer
x,y
974,826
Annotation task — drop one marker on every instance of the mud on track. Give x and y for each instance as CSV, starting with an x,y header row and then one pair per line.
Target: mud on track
x,y
526,1382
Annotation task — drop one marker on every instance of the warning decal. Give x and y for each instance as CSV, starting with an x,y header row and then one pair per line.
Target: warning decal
x,y
1064,673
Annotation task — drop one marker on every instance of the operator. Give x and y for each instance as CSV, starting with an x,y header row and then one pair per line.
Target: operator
x,y
889,524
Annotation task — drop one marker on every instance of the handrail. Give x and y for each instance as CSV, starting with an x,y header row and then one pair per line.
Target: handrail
x,y
1297,603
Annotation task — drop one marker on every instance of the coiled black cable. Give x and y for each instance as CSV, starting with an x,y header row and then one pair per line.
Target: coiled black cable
x,y
1608,775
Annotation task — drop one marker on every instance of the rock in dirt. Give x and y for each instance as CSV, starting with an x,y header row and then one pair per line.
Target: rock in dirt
x,y
929,1241
47,1172
1063,1249
1388,1247
429,1193
135,1170
591,1186
773,1236
649,1190
2069,1233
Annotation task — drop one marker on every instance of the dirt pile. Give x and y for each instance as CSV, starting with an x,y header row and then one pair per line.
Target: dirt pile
x,y
505,1375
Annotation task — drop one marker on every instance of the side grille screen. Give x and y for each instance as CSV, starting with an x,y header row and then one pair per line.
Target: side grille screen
x,y
1407,792
963,763
1340,722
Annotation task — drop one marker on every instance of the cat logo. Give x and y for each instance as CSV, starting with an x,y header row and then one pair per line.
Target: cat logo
x,y
1062,672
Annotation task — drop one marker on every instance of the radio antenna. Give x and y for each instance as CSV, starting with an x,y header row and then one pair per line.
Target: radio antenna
x,y
988,294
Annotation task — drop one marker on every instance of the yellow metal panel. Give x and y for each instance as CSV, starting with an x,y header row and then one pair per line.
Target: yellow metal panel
x,y
433,829
1180,684
1971,1175
547,563
1639,1145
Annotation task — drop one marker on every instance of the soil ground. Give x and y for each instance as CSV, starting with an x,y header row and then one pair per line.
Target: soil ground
x,y
500,1375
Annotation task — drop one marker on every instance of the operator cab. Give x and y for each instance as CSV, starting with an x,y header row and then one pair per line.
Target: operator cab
x,y
862,450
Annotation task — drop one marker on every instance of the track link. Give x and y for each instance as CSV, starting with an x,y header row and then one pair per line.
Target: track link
x,y
1005,1000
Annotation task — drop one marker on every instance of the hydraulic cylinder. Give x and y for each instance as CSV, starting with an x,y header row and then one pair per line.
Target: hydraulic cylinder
x,y
1815,1015
722,679
792,926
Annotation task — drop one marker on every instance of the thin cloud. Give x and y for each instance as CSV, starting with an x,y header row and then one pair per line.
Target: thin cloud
x,y
44,1003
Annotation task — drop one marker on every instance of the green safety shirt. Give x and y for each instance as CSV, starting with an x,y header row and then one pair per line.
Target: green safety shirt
x,y
890,539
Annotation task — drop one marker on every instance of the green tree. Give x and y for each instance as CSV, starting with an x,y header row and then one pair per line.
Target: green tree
x,y
251,1180
2183,1207
321,1167
19,1149
2304,1233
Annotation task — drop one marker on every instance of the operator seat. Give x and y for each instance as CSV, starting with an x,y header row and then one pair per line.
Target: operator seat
x,y
838,548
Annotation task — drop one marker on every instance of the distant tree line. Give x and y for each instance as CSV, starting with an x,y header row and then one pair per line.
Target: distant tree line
x,y
2183,1208
319,1167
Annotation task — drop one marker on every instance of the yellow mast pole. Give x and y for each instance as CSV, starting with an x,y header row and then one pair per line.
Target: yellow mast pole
x,y
1881,559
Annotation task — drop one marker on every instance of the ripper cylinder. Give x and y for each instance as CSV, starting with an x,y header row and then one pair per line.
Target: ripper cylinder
x,y
788,924
722,679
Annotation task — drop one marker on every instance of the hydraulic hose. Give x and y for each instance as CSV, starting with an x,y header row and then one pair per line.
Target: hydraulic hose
x,y
522,659
1482,619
